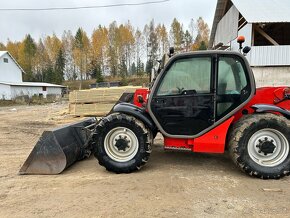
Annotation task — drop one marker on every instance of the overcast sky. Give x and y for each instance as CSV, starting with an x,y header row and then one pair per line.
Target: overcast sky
x,y
15,24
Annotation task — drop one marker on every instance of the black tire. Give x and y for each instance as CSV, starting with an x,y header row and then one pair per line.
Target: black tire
x,y
143,135
239,141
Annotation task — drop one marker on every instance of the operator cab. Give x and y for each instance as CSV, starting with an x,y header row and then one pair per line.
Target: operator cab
x,y
197,91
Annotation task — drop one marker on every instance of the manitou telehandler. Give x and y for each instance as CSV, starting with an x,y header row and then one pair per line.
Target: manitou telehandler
x,y
200,102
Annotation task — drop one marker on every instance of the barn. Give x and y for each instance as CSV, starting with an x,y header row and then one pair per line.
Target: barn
x,y
12,85
266,27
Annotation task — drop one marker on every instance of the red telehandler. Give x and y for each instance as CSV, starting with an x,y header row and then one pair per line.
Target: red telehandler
x,y
200,102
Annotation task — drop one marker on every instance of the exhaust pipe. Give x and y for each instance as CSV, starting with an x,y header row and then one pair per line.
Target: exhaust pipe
x,y
58,149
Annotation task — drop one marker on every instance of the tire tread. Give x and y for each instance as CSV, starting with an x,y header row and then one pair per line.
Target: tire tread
x,y
236,134
144,151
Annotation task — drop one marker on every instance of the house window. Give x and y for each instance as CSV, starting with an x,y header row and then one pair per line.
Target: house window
x,y
44,88
5,60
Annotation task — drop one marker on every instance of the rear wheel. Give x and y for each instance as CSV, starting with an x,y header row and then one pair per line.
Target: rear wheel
x,y
259,144
123,143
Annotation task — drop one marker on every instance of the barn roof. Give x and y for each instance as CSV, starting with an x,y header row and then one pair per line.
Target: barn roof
x,y
33,84
266,11
254,11
6,52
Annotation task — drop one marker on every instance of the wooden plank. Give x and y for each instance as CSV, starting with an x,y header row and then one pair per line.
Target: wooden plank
x,y
71,96
96,109
100,94
96,102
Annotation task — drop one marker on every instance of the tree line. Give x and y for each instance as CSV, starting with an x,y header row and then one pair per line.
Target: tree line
x,y
116,50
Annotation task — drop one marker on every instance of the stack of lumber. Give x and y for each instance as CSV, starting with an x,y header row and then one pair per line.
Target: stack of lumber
x,y
96,102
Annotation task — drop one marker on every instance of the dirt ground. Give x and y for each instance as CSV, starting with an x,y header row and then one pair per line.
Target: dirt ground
x,y
172,184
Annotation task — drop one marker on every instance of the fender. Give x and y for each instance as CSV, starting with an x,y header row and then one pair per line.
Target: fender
x,y
260,108
139,113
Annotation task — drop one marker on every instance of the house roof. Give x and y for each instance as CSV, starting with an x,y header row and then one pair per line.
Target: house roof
x,y
6,52
2,53
254,11
31,84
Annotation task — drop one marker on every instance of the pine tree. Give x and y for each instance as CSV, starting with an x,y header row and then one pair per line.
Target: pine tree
x,y
81,51
59,68
123,68
78,43
187,40
97,73
142,68
48,74
27,54
202,46
133,69
139,68
153,48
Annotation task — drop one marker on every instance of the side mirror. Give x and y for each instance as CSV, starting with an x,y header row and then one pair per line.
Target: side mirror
x,y
171,51
140,99
246,50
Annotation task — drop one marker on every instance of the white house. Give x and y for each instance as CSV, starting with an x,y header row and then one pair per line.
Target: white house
x,y
266,27
12,85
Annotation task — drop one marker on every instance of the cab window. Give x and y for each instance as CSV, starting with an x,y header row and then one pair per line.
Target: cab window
x,y
231,77
192,75
231,86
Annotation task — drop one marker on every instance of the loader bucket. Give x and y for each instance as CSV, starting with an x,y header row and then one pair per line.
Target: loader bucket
x,y
58,149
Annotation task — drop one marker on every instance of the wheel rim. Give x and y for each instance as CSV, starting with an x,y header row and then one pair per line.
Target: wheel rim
x,y
268,147
121,144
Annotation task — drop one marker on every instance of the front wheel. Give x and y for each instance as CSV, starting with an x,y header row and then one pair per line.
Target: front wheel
x,y
123,143
260,145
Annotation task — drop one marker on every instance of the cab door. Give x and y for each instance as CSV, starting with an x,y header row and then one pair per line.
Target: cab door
x,y
233,85
183,100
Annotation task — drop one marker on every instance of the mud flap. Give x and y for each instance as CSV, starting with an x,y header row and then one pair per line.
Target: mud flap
x,y
58,149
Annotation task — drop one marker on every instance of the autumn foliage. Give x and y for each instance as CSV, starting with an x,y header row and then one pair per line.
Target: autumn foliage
x,y
116,50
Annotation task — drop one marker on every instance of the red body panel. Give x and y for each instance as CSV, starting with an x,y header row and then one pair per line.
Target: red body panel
x,y
214,141
211,142
144,92
266,95
180,144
